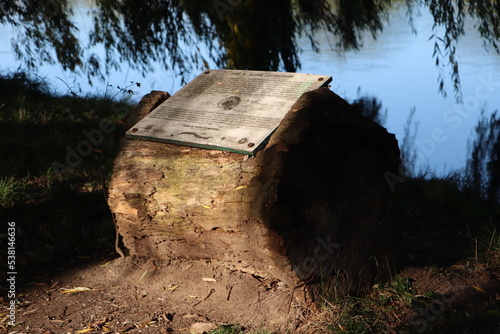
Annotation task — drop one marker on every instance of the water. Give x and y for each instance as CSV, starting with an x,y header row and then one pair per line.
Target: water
x,y
397,69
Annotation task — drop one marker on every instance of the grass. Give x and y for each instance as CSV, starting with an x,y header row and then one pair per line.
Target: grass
x,y
397,307
10,190
377,312
38,127
441,198
60,216
453,217
489,244
442,223
228,329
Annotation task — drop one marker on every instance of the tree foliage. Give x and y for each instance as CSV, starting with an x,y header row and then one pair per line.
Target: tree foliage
x,y
242,34
483,166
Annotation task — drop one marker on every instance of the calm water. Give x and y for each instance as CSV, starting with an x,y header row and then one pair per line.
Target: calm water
x,y
397,69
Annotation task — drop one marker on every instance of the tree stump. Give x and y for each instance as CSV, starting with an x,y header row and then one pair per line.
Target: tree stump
x,y
310,207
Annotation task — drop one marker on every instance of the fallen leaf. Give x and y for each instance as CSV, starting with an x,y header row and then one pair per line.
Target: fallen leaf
x,y
32,311
57,321
77,289
207,279
478,288
86,330
456,266
189,316
241,187
142,277
104,265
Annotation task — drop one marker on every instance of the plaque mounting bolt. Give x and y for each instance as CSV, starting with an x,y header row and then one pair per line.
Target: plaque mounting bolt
x,y
250,144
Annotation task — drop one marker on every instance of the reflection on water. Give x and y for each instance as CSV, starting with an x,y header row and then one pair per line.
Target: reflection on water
x,y
397,69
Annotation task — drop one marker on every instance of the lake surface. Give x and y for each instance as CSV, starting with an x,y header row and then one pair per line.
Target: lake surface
x,y
397,69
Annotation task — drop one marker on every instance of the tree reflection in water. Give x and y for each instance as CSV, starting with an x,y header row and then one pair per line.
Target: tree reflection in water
x,y
239,34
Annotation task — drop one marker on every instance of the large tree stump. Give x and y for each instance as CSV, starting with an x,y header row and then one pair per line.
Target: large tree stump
x,y
311,206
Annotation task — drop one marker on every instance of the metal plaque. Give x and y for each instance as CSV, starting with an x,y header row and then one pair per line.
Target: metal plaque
x,y
228,110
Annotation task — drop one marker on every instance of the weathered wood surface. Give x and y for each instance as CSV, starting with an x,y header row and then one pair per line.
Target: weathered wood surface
x,y
172,201
311,206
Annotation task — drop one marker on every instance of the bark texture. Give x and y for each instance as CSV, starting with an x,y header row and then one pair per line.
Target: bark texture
x,y
311,206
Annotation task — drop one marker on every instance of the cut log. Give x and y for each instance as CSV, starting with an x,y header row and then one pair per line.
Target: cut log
x,y
311,206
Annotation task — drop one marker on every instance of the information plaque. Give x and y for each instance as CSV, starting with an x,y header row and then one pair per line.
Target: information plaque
x,y
229,110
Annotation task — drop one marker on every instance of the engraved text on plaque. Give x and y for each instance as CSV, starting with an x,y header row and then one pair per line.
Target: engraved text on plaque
x,y
227,110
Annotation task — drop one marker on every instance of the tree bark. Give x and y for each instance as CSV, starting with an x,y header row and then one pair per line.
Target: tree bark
x,y
311,206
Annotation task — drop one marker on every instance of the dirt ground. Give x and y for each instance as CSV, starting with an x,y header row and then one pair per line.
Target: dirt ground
x,y
139,295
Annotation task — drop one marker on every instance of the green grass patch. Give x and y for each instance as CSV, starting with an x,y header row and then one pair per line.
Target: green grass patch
x,y
378,312
489,248
228,329
10,190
